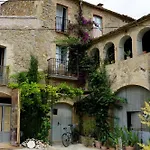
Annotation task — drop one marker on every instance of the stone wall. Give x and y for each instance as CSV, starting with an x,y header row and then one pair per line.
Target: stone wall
x,y
18,8
133,71
109,22
20,41
15,118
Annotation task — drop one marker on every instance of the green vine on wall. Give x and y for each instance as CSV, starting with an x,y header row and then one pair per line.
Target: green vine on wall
x,y
37,100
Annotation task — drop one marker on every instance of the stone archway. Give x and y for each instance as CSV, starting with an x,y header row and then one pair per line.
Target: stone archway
x,y
125,47
95,55
109,50
143,40
127,115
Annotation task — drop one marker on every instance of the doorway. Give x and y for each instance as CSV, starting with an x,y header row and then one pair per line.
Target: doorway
x,y
5,111
62,116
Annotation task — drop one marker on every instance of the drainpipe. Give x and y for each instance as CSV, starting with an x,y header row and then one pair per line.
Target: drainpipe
x,y
80,7
51,133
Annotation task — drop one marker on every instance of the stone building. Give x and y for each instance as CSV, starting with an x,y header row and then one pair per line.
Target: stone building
x,y
31,27
126,52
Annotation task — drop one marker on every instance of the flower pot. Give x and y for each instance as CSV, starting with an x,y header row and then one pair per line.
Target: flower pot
x,y
103,148
98,144
129,148
111,148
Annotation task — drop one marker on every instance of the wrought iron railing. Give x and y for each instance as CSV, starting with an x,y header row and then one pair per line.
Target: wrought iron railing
x,y
61,24
61,68
3,75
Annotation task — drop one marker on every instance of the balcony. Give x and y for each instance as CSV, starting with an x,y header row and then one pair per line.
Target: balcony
x,y
61,24
3,75
61,69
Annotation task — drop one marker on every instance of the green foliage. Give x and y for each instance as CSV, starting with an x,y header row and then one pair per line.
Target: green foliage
x,y
145,119
71,41
89,127
98,101
68,91
115,134
131,138
77,42
45,126
33,70
37,100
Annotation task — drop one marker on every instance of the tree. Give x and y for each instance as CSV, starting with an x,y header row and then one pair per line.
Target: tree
x,y
145,119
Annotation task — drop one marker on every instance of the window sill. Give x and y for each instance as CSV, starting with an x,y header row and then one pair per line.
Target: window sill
x,y
61,32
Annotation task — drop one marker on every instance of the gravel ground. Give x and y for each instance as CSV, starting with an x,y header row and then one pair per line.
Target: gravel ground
x,y
61,147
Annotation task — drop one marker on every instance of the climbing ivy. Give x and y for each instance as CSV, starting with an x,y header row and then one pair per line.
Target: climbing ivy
x,y
37,100
98,101
99,97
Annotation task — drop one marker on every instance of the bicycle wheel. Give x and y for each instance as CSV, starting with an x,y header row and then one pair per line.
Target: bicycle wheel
x,y
65,140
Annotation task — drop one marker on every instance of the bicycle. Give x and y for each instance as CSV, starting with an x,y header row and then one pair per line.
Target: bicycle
x,y
70,137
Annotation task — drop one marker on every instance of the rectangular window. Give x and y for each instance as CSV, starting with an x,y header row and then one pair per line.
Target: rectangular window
x,y
61,59
55,111
97,26
61,18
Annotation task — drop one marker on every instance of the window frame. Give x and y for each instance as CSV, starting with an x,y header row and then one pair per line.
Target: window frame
x,y
101,25
61,22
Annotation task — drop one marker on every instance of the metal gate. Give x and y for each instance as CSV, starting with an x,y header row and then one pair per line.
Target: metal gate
x,y
5,111
62,116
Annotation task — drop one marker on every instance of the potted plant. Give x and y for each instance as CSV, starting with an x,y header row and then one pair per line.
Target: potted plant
x,y
116,138
128,54
88,130
103,140
131,139
112,142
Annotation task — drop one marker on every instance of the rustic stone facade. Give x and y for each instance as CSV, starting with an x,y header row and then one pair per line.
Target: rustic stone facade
x,y
133,71
15,118
18,8
41,41
28,27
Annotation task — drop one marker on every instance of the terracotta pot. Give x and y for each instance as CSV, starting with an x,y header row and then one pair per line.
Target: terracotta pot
x,y
103,148
130,148
98,144
111,148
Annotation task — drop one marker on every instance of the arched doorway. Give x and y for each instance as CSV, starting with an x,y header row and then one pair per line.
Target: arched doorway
x,y
143,44
125,48
128,114
62,116
109,49
5,118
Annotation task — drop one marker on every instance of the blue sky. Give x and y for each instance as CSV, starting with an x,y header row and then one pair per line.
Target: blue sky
x,y
133,8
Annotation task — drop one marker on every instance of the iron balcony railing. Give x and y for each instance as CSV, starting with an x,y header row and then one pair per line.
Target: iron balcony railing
x,y
61,68
61,24
3,75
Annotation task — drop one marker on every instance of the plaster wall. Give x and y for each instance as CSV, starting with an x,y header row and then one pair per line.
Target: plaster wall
x,y
133,71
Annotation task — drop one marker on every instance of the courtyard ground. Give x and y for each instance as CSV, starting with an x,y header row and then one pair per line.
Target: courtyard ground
x,y
61,147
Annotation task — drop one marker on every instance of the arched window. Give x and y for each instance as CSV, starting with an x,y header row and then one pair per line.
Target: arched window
x,y
109,50
125,48
143,42
95,56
